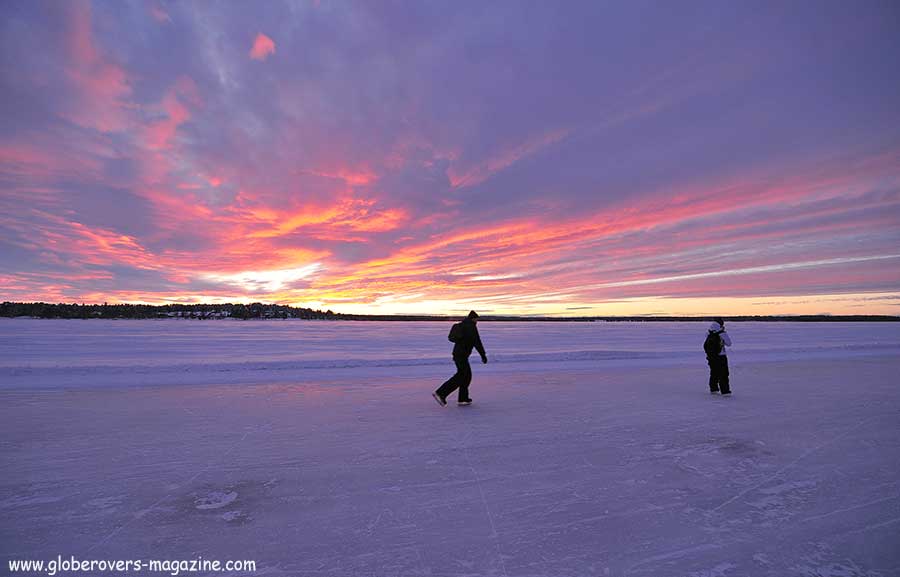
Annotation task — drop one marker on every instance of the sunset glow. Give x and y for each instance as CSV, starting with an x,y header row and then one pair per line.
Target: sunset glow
x,y
413,158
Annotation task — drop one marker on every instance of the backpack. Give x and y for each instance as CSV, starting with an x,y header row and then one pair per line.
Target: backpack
x,y
456,333
712,346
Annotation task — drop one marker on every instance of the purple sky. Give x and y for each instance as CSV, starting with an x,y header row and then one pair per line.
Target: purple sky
x,y
432,157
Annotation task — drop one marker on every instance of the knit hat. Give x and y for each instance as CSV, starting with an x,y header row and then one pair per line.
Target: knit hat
x,y
472,315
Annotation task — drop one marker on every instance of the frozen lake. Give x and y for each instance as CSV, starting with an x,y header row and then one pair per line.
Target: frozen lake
x,y
99,352
315,449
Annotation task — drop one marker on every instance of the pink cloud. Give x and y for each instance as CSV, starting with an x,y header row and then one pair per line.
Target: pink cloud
x,y
39,162
263,47
102,84
159,14
77,244
176,104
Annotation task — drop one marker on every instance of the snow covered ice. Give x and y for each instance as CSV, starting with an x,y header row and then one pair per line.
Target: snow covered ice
x,y
315,448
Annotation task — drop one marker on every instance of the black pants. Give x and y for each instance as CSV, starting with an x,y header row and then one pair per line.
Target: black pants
x,y
460,380
718,374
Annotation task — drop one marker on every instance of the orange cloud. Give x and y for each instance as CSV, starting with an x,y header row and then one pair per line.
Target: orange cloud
x,y
349,214
263,47
351,177
363,218
617,251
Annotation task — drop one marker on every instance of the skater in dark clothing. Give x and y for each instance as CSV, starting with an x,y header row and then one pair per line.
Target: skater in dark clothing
x,y
465,337
717,358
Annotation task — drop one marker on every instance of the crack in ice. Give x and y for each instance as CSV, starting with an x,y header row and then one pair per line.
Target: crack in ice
x,y
484,500
792,463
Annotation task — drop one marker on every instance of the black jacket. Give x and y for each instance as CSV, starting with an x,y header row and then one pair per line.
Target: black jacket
x,y
470,339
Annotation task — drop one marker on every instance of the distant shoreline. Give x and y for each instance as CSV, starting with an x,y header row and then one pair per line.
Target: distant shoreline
x,y
631,319
261,311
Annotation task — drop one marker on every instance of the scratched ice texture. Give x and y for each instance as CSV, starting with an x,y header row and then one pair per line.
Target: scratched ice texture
x,y
315,449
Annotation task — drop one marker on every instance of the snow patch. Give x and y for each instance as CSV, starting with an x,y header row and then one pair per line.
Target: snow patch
x,y
215,500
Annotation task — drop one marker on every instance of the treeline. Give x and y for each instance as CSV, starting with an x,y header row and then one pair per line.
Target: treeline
x,y
126,311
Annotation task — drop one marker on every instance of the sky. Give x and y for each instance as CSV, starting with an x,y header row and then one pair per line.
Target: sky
x,y
525,157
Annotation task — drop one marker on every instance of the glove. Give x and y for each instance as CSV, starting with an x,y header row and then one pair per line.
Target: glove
x,y
484,359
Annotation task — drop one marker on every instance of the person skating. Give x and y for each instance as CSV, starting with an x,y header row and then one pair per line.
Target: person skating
x,y
465,337
714,346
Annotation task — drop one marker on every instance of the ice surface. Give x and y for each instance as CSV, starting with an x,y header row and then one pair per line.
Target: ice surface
x,y
54,353
591,449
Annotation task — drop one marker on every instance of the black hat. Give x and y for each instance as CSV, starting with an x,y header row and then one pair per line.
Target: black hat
x,y
720,321
472,315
